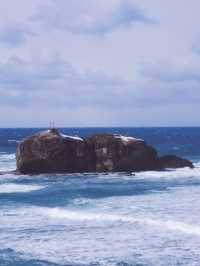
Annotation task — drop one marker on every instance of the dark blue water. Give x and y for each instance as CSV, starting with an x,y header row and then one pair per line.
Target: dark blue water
x,y
151,218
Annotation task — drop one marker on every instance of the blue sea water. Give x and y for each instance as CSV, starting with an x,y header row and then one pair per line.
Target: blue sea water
x,y
147,219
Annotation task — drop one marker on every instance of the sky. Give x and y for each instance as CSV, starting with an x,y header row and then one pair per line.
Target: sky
x,y
99,63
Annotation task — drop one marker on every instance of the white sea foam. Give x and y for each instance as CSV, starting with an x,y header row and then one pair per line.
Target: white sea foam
x,y
8,177
65,236
180,173
103,217
7,156
7,162
16,188
13,140
185,172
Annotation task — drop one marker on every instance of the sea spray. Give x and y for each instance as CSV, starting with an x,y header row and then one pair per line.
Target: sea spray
x,y
103,217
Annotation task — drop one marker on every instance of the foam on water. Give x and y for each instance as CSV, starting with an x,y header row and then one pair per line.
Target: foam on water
x,y
16,188
4,156
64,236
182,173
104,217
7,162
185,172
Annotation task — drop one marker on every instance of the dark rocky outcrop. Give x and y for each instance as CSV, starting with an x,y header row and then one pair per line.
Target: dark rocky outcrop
x,y
110,152
173,161
50,152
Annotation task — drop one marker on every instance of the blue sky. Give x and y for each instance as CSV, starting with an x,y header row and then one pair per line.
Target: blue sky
x,y
99,63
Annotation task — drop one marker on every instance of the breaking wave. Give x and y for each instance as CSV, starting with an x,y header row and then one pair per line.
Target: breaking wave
x,y
97,217
7,162
17,188
5,156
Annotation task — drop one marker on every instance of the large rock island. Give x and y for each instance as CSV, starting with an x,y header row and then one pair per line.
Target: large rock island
x,y
52,152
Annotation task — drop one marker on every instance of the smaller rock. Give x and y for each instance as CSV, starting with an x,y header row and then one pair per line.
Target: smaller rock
x,y
173,161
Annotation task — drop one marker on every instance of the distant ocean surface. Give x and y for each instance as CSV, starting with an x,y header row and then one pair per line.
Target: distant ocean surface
x,y
150,219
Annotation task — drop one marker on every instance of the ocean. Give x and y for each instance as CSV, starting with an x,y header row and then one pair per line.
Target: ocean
x,y
147,219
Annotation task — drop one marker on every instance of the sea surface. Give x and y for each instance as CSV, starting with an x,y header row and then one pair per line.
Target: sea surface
x,y
147,219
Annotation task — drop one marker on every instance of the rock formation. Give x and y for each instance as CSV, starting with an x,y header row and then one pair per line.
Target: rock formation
x,y
49,152
111,152
173,161
52,152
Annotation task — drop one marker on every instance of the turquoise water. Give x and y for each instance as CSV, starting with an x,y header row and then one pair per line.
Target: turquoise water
x,y
146,219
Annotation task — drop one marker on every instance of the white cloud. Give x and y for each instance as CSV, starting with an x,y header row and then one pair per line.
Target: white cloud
x,y
59,84
55,83
89,16
99,62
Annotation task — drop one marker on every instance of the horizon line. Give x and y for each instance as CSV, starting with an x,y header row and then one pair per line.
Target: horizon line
x,y
68,127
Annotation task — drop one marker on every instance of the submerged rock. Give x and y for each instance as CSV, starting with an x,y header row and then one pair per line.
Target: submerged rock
x,y
173,161
52,152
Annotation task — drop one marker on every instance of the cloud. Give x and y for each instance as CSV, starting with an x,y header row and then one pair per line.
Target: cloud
x,y
55,61
175,82
170,71
91,17
55,83
53,89
14,34
58,84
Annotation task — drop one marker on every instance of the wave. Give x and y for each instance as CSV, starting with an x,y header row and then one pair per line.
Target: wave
x,y
4,156
7,162
185,172
15,188
59,236
13,141
99,217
